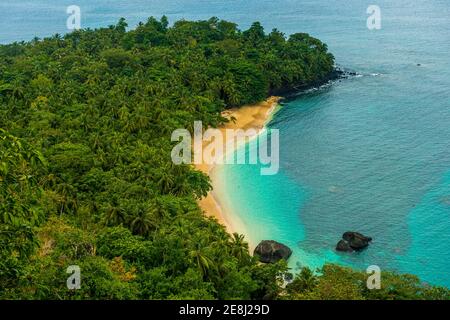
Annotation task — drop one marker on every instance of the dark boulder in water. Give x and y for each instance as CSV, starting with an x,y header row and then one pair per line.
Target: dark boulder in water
x,y
350,235
343,246
353,241
270,251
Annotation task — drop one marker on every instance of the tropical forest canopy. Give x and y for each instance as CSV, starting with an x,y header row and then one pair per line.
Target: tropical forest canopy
x,y
86,176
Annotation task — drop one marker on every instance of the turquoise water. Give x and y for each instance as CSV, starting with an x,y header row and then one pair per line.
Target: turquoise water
x,y
371,153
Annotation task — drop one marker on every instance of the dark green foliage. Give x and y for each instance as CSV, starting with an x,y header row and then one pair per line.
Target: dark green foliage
x,y
334,282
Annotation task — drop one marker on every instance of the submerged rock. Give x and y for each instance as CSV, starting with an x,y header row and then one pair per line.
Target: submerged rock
x,y
270,251
333,189
445,200
353,241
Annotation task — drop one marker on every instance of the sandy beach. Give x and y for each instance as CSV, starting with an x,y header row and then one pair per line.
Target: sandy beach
x,y
246,117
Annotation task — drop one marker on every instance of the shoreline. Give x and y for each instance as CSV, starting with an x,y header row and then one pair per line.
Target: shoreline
x,y
255,117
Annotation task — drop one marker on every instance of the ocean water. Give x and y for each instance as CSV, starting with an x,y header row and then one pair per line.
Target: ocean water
x,y
370,153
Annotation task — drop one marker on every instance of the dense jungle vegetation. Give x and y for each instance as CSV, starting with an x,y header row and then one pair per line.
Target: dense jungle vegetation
x,y
86,176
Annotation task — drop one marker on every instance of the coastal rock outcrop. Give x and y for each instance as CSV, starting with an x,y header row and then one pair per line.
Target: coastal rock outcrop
x,y
270,251
343,246
353,241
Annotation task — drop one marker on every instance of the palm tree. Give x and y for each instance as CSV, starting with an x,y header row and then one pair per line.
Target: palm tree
x,y
305,281
228,90
114,215
160,211
142,223
64,190
165,181
239,248
5,87
17,89
201,259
